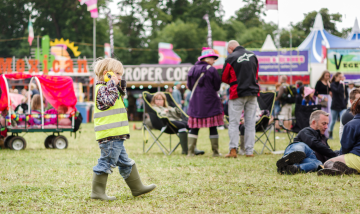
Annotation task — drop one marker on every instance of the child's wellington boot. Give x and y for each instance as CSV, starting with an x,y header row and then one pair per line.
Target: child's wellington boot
x,y
136,186
99,186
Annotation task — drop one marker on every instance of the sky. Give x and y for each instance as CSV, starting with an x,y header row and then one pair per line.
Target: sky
x,y
293,10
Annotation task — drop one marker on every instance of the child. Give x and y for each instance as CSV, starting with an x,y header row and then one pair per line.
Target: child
x,y
111,130
308,97
35,107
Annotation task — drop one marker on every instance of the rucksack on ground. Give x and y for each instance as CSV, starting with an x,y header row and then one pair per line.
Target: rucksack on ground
x,y
289,95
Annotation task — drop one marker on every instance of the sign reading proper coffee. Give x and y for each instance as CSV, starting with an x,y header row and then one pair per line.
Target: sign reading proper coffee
x,y
156,73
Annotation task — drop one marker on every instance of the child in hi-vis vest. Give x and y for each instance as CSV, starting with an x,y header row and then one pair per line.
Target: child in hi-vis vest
x,y
111,130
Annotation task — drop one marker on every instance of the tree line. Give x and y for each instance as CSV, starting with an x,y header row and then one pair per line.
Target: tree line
x,y
142,24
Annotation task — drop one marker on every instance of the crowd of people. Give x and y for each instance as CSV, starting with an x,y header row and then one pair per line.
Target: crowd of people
x,y
309,150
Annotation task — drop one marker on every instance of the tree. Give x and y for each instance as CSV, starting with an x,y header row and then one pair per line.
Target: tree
x,y
250,13
297,38
233,28
329,21
182,35
252,38
14,16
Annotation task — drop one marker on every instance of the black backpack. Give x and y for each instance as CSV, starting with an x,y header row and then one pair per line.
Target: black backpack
x,y
290,95
78,120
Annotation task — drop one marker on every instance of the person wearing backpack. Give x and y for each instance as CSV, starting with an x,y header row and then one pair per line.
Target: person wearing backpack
x,y
286,107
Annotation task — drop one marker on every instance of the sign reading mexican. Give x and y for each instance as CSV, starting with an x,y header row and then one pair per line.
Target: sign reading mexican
x,y
343,60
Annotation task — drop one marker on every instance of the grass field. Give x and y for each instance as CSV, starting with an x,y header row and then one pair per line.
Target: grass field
x,y
59,181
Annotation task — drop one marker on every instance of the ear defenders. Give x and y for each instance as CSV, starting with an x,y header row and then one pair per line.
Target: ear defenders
x,y
107,78
108,75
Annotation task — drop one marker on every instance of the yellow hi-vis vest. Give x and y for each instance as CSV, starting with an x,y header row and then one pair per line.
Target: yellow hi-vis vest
x,y
112,121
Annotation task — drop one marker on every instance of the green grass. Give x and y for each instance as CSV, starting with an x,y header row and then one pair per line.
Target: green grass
x,y
59,181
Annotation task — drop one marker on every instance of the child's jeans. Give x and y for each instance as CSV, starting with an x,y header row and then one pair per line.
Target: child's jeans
x,y
113,154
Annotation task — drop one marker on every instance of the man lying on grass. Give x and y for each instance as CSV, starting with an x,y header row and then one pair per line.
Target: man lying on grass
x,y
309,149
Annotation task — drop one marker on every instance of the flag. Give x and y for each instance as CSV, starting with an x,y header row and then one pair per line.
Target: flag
x,y
31,31
91,6
167,56
271,4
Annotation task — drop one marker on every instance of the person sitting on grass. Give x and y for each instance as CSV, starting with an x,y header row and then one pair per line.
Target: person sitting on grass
x,y
160,105
309,149
349,160
308,97
347,116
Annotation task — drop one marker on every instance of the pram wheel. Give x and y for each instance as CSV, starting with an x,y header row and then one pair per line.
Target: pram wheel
x,y
60,142
17,143
48,141
7,140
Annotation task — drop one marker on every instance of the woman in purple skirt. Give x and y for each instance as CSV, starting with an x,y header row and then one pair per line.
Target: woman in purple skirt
x,y
205,109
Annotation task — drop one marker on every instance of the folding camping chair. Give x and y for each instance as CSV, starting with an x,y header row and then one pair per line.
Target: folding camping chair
x,y
266,102
301,120
160,123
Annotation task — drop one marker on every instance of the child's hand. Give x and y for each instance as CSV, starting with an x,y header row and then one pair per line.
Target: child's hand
x,y
115,79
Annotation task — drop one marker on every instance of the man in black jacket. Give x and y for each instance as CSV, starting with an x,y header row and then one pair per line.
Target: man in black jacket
x,y
241,73
309,149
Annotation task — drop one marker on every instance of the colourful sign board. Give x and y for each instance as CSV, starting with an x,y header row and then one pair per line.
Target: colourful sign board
x,y
343,60
269,62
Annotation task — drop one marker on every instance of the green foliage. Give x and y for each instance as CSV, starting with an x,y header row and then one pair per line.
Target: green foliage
x,y
252,38
250,13
297,37
329,21
14,22
183,35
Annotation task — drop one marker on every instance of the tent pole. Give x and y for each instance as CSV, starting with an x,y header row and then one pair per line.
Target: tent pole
x,y
278,45
291,82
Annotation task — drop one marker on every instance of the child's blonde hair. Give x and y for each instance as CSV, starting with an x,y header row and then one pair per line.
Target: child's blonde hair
x,y
36,102
107,64
159,94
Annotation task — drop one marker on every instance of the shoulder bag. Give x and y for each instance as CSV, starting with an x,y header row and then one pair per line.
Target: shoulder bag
x,y
197,81
324,103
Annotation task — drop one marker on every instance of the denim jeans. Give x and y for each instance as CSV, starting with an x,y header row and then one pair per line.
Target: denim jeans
x,y
113,154
236,106
310,163
334,117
